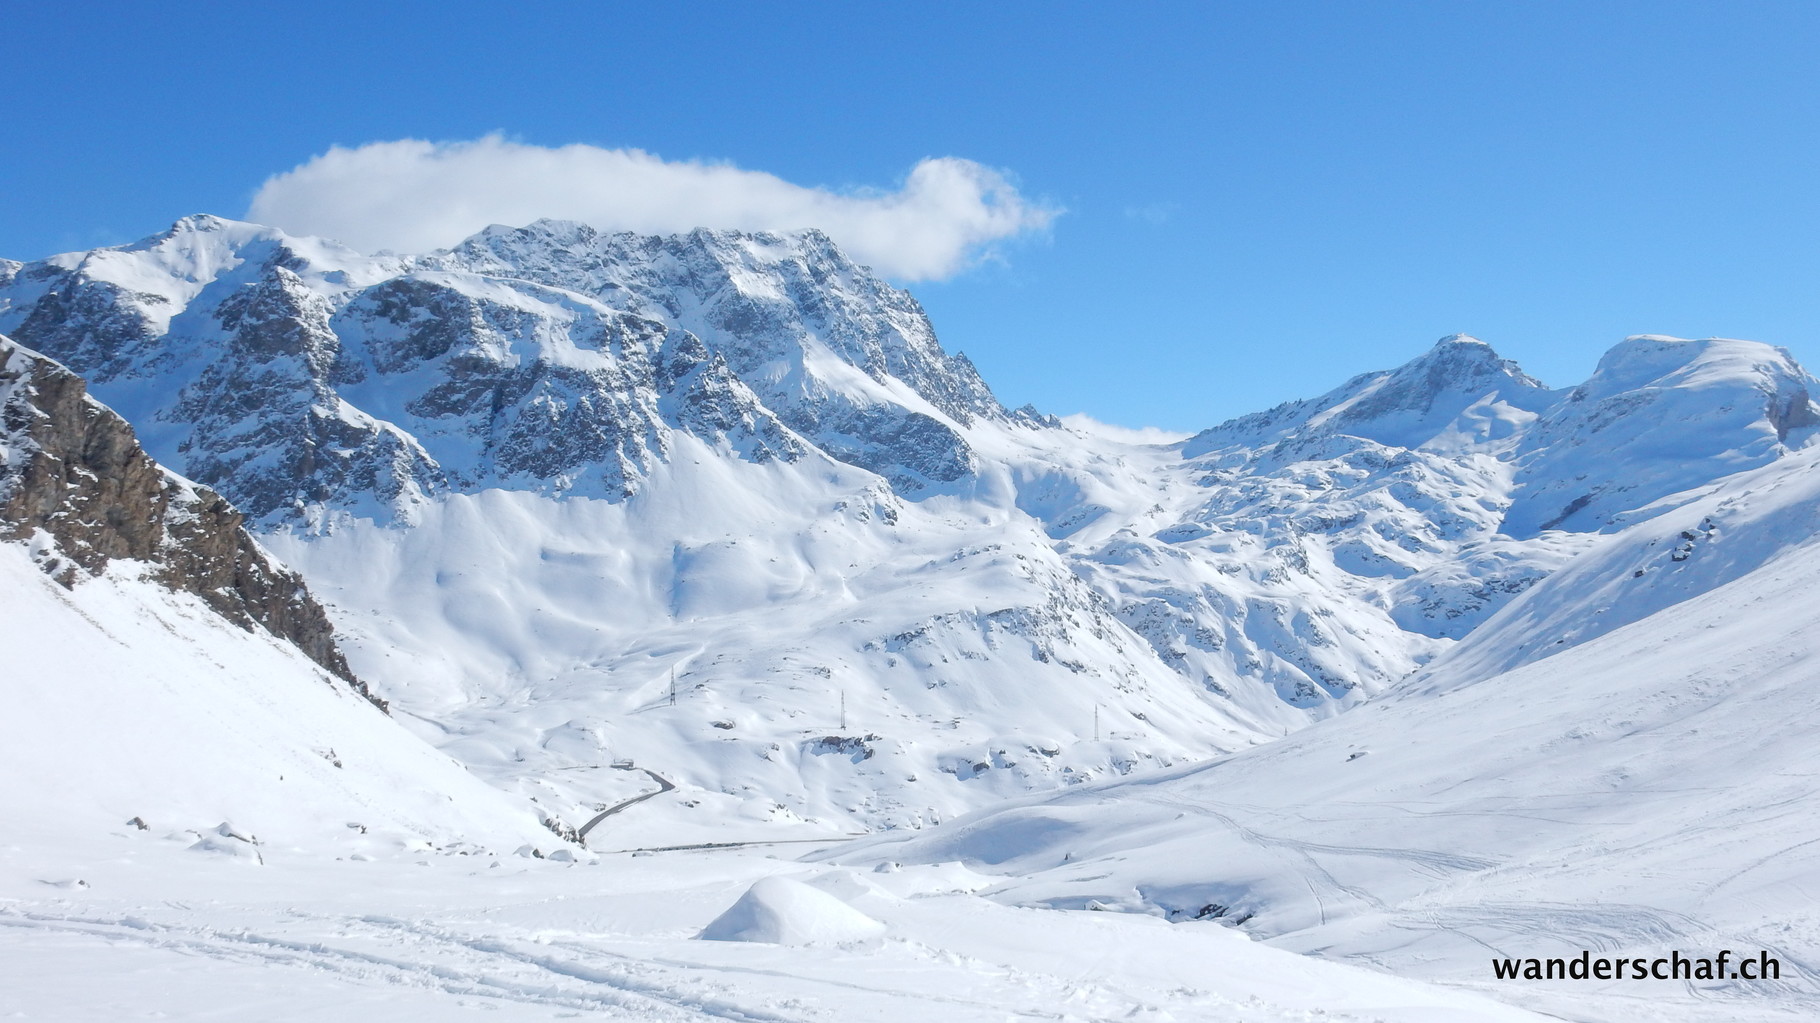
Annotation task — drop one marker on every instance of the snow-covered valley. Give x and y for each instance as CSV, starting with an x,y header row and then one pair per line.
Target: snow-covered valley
x,y
1053,720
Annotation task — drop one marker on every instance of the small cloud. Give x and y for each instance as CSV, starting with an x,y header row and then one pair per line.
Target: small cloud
x,y
1155,213
411,195
1128,434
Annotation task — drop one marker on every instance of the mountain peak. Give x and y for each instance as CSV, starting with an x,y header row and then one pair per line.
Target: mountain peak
x,y
1660,415
1460,391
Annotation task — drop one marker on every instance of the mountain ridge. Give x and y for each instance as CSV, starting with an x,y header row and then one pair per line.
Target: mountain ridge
x,y
743,458
78,489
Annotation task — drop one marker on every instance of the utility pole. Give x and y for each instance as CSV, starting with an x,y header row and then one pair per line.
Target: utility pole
x,y
672,685
1096,722
843,710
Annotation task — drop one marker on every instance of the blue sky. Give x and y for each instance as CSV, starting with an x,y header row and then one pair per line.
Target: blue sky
x,y
1257,200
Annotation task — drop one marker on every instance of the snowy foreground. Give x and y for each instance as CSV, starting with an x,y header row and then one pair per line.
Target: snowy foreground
x,y
958,711
387,882
160,932
383,881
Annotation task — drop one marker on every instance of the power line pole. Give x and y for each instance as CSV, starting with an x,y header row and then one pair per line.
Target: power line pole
x,y
1096,722
672,685
843,710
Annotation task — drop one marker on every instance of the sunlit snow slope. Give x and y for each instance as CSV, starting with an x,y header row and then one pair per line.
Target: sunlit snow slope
x,y
127,701
1620,761
162,676
538,475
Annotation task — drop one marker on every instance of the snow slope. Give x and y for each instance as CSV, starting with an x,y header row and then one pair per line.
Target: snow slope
x,y
536,474
536,640
163,674
720,506
125,700
436,938
1619,761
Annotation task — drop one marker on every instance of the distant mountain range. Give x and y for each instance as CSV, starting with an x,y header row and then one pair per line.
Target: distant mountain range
x,y
534,476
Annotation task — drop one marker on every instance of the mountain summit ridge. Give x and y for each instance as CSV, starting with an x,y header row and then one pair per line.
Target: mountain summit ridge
x,y
574,343
568,462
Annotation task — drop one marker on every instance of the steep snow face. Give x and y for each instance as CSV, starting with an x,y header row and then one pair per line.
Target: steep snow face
x,y
1441,490
1460,395
1328,547
1656,559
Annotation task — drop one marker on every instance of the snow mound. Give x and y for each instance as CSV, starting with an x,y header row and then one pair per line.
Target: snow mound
x,y
785,912
227,840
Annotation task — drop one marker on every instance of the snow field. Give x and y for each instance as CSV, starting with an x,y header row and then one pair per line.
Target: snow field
x,y
127,701
1646,789
539,637
310,939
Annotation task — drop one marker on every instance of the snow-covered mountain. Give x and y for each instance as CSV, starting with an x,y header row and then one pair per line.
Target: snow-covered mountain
x,y
540,474
79,491
167,681
1619,761
721,505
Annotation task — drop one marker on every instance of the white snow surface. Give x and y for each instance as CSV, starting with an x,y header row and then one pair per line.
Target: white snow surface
x,y
1647,788
780,911
704,539
125,700
202,825
153,930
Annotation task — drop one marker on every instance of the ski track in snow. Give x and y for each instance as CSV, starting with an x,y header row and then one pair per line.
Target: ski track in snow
x,y
625,978
486,966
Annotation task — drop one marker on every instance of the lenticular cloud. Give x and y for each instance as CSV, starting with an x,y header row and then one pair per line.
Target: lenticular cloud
x,y
412,195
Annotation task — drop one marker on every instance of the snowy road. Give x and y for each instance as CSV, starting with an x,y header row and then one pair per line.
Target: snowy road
x,y
665,786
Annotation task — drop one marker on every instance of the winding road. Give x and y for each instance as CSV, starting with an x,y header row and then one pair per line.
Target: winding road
x,y
582,834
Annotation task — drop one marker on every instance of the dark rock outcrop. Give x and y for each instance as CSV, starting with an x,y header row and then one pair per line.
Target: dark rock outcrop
x,y
72,469
310,383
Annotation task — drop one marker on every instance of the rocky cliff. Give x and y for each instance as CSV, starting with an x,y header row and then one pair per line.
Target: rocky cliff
x,y
75,484
304,379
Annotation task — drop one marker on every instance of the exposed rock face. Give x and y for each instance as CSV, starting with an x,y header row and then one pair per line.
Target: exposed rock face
x,y
1284,565
73,470
305,380
792,316
400,427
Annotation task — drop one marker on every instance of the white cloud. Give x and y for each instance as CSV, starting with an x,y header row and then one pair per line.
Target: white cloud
x,y
413,196
1127,434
